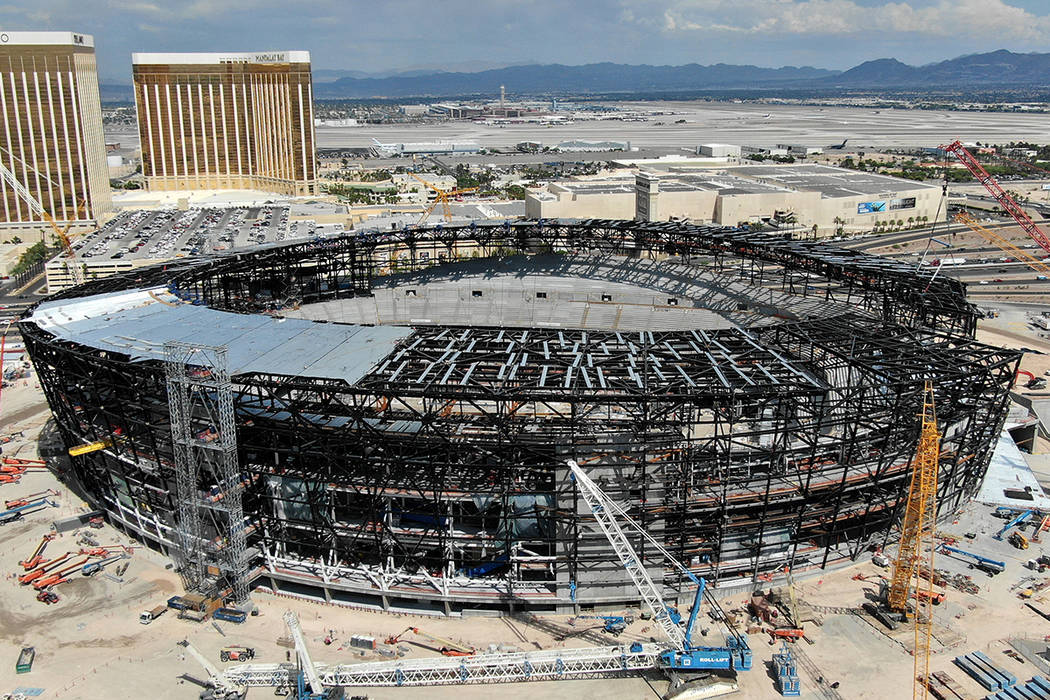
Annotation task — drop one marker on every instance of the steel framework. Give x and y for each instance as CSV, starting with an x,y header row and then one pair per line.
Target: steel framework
x,y
204,439
439,476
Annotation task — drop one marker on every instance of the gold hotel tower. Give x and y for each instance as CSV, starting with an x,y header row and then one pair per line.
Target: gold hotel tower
x,y
51,137
226,121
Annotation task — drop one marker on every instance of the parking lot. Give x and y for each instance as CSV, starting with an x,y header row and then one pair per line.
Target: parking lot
x,y
170,233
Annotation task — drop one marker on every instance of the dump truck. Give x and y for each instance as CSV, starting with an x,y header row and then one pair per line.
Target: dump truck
x,y
150,615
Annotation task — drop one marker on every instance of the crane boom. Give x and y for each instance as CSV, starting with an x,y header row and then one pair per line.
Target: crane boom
x,y
920,516
605,512
62,234
1002,243
998,193
223,686
307,666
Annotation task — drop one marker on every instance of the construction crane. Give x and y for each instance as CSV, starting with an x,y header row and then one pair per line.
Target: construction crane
x,y
447,647
441,197
221,688
998,193
62,234
920,517
1003,244
681,655
308,683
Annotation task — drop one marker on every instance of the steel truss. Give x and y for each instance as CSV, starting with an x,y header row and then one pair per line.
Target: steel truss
x,y
547,665
440,474
204,437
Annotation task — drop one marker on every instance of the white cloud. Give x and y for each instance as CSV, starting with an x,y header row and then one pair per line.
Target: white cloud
x,y
970,18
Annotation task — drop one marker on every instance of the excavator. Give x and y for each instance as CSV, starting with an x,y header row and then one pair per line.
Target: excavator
x,y
447,647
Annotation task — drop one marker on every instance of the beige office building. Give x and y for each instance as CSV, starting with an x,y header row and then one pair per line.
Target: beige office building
x,y
51,137
226,121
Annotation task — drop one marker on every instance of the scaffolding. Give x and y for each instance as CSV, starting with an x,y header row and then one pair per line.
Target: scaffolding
x,y
204,439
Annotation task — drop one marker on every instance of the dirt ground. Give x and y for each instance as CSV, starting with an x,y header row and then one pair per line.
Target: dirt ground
x,y
91,645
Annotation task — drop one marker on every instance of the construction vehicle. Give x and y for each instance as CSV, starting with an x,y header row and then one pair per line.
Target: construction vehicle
x,y
680,654
445,646
26,500
236,653
612,624
991,567
149,616
37,557
914,552
1018,540
219,687
94,567
47,597
43,569
1014,523
57,577
12,514
308,682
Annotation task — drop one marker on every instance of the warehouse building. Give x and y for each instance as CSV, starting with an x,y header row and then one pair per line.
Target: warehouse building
x,y
51,134
226,121
810,195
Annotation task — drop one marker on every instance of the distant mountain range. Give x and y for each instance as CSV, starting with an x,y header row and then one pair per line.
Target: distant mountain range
x,y
996,68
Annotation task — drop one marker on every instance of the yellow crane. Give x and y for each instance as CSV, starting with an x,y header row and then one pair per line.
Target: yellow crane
x,y
1003,244
442,197
916,547
62,234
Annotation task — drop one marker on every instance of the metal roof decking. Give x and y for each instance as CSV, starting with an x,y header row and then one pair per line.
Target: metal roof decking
x,y
138,323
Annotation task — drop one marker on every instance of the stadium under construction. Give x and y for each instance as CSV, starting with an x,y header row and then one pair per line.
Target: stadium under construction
x,y
395,410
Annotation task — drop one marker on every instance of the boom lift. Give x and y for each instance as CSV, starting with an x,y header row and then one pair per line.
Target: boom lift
x,y
681,654
17,512
447,647
1014,523
36,573
97,566
59,576
612,624
992,567
219,687
37,557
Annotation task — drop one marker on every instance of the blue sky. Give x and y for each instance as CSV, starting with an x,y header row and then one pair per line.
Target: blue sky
x,y
388,35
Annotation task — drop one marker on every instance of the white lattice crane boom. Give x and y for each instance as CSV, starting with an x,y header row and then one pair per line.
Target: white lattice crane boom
x,y
220,683
606,513
305,663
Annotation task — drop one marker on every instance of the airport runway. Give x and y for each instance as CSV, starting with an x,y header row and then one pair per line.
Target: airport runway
x,y
717,122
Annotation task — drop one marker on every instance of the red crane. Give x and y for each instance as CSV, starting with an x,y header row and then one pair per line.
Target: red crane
x,y
1005,201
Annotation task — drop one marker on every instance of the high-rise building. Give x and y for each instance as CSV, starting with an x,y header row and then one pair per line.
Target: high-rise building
x,y
51,137
226,121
